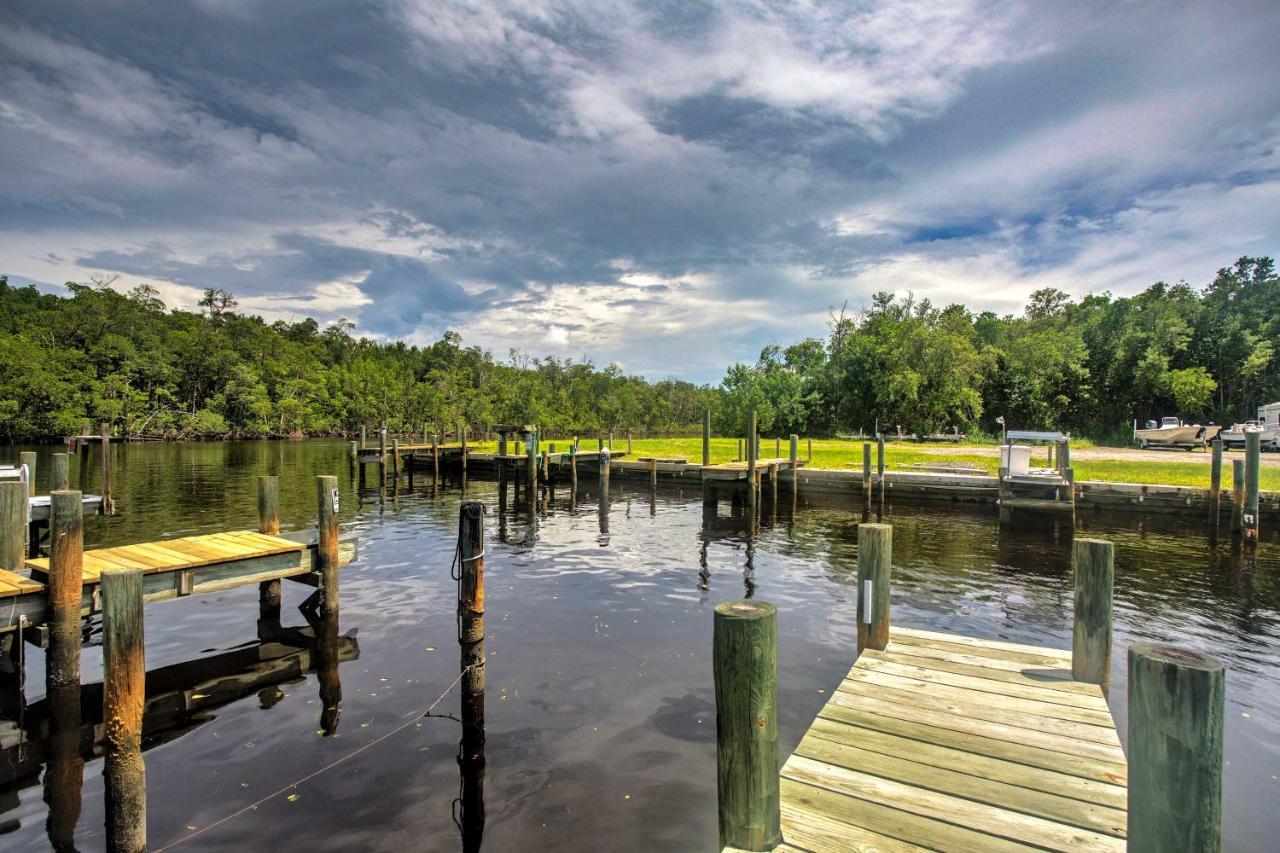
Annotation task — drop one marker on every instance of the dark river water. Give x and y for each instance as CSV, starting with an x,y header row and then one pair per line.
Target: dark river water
x,y
600,722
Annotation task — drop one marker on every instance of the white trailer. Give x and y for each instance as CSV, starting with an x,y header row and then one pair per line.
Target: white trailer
x,y
1269,420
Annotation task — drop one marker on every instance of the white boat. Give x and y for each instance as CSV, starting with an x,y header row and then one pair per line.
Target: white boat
x,y
1172,432
1234,437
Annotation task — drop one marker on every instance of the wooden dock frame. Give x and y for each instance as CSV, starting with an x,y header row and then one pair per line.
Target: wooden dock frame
x,y
1040,490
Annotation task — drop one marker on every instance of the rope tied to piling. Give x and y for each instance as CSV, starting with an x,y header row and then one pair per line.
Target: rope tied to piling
x,y
473,511
312,775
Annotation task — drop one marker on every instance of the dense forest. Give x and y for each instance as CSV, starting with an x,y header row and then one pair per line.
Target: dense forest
x,y
1090,366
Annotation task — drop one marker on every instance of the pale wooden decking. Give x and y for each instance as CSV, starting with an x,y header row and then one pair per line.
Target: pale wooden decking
x,y
946,742
738,470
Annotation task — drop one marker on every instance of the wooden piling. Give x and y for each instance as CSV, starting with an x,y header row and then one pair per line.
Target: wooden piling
x,y
604,476
269,592
395,458
108,503
124,692
13,525
866,476
435,458
773,484
752,493
653,473
382,456
471,761
745,667
462,438
28,458
66,578
880,466
628,442
327,544
364,437
875,557
573,467
1093,564
531,459
1237,495
777,446
1064,457
739,457
1252,472
353,452
1215,482
1177,704
809,458
706,437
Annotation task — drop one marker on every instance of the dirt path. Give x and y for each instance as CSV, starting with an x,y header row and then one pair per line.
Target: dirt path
x,y
1123,454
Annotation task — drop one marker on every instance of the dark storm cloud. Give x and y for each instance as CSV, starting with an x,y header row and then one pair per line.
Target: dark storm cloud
x,y
491,165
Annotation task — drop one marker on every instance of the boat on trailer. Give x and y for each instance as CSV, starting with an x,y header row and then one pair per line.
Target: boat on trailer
x,y
1172,432
1267,423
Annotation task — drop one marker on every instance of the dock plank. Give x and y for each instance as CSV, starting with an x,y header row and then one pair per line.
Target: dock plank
x,y
177,554
954,743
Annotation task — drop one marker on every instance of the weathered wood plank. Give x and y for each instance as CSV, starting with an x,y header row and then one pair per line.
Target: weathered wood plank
x,y
1043,679
986,685
979,642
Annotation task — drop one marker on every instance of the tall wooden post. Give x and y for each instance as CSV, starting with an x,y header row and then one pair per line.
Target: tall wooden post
x,y
1237,495
108,503
653,473
880,466
875,557
1215,483
471,759
745,667
628,442
124,670
13,525
28,458
327,544
573,468
364,437
1252,472
353,451
502,443
1177,704
269,592
462,439
435,458
382,456
752,494
866,477
64,776
706,437
809,458
793,453
395,458
1093,564
773,485
1064,457
604,475
531,459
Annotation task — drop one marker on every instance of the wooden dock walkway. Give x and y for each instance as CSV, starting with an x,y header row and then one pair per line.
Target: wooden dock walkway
x,y
738,470
947,742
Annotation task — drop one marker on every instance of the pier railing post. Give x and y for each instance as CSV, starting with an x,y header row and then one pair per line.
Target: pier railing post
x,y
875,557
327,542
1093,566
123,694
13,525
1177,705
1237,495
706,437
28,458
1215,483
1252,472
745,666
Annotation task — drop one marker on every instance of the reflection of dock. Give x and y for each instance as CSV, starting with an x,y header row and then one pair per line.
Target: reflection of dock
x,y
952,742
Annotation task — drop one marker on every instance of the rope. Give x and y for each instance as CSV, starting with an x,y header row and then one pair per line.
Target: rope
x,y
315,773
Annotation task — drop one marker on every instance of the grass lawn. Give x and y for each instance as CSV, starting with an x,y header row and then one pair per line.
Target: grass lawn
x,y
834,453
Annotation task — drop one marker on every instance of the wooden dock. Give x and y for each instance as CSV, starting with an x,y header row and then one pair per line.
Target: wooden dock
x,y
947,742
738,470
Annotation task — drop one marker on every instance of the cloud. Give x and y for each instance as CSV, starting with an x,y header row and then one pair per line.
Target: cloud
x,y
670,184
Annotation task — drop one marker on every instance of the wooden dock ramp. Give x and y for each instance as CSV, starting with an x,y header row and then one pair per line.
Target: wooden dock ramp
x,y
945,742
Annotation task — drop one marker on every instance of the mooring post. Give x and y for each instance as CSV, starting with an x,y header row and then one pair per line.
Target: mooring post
x,y
745,667
875,556
866,476
382,456
628,442
739,457
108,503
773,485
13,525
604,475
752,494
64,776
573,468
60,472
353,451
28,458
653,473
1215,482
435,458
809,459
1252,472
124,671
395,458
600,441
471,644
327,543
364,437
531,459
269,592
880,466
1237,495
1177,704
706,437
1093,564
462,438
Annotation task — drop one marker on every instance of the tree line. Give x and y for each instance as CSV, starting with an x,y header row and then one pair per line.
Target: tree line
x,y
1090,366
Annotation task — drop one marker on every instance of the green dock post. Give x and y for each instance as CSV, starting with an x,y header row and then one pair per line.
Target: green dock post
x,y
1093,565
13,525
1177,705
875,558
1252,472
124,671
28,458
706,437
1215,482
745,667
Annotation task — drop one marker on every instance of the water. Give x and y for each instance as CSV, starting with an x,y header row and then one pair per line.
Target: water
x,y
600,730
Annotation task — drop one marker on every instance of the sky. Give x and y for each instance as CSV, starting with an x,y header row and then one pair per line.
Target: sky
x,y
669,185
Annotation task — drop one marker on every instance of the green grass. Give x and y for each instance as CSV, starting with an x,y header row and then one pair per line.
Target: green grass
x,y
838,454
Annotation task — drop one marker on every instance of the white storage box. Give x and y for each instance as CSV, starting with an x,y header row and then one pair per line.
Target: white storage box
x,y
1016,458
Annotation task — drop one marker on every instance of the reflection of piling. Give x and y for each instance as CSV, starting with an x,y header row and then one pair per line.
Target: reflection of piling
x,y
64,777
60,472
124,672
1093,564
1177,701
435,459
1252,473
875,556
745,667
472,662
269,523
